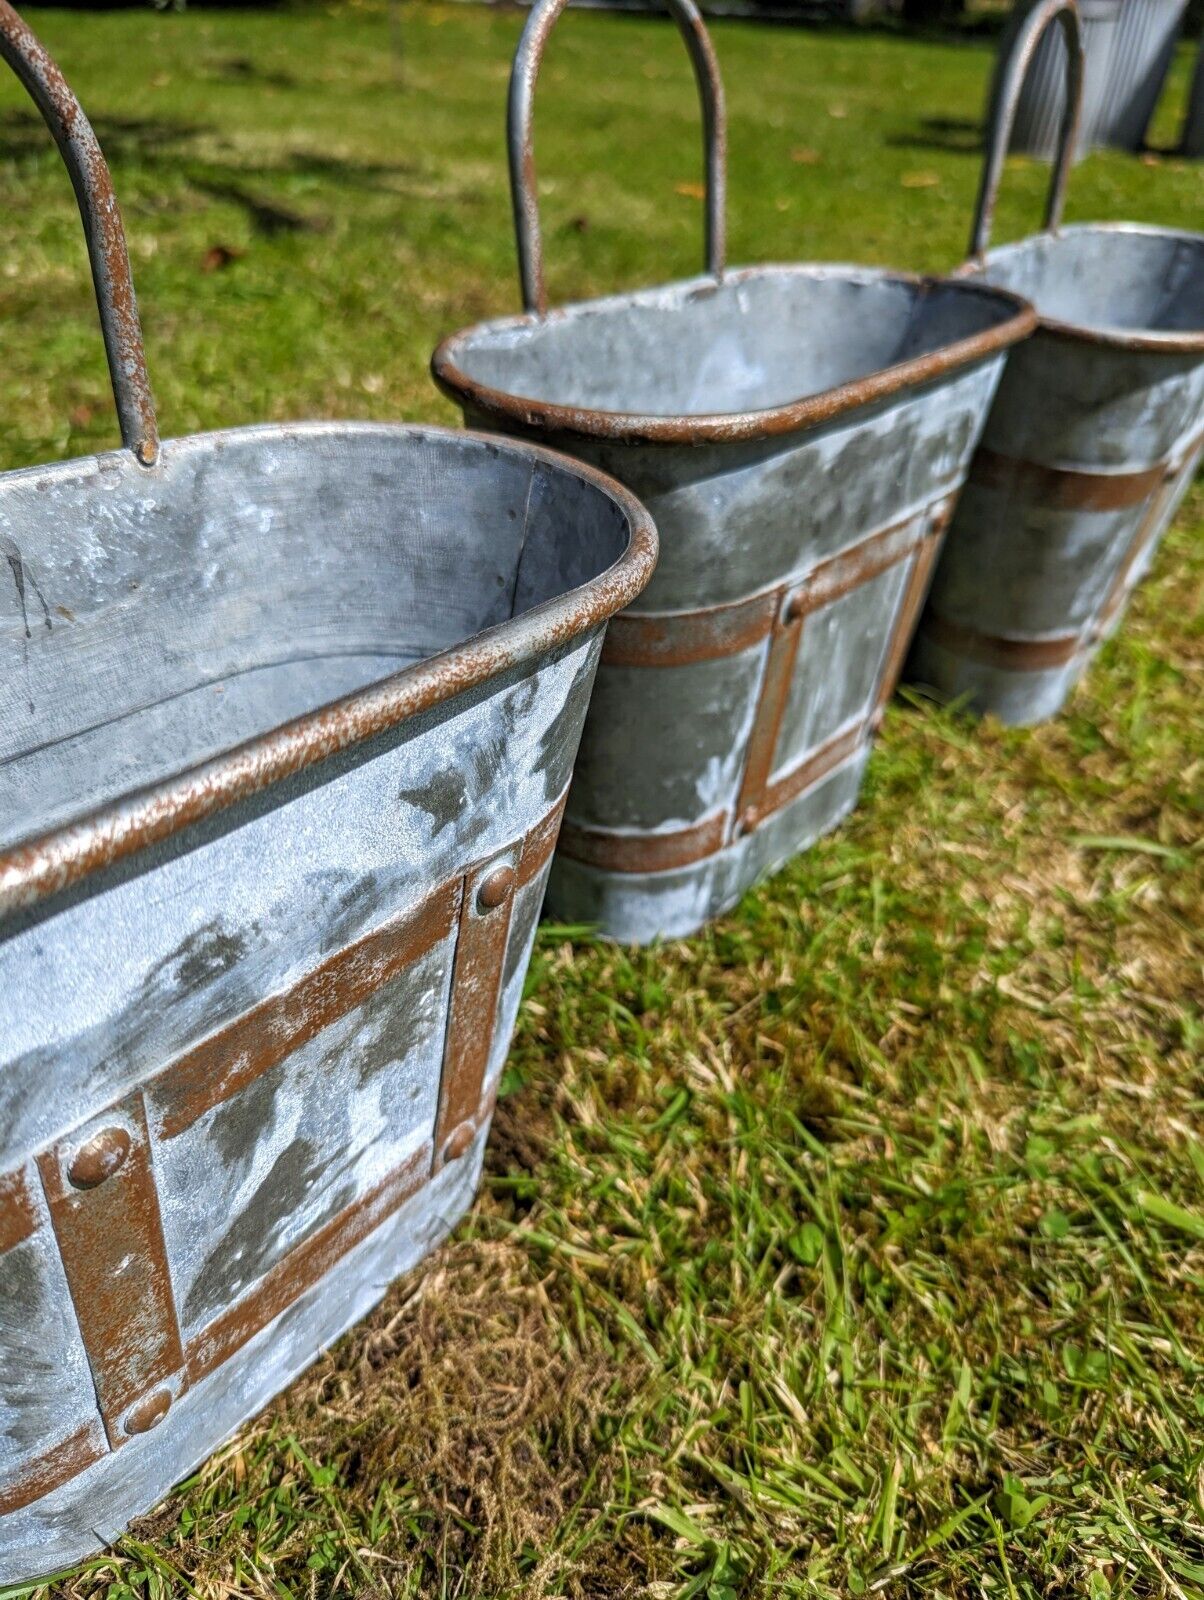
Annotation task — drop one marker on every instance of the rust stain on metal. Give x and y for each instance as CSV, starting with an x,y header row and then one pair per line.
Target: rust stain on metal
x,y
18,1214
54,1467
304,1266
999,650
1146,530
682,638
41,867
909,610
642,428
99,1158
148,1413
849,569
644,852
767,723
830,755
540,843
476,978
110,1238
1064,488
238,1054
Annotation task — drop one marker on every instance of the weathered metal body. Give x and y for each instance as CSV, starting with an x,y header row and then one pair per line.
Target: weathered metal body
x,y
287,717
1128,46
1091,443
799,434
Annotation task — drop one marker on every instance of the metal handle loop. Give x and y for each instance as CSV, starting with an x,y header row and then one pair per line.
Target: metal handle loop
x,y
105,235
527,60
1005,96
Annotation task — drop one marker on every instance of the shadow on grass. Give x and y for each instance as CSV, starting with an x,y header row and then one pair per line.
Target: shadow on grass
x,y
163,148
956,135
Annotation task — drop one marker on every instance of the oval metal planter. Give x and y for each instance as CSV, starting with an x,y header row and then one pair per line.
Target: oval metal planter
x,y
1092,440
799,433
287,716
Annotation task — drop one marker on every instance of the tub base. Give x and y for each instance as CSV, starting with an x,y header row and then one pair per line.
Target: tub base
x,y
93,1509
635,908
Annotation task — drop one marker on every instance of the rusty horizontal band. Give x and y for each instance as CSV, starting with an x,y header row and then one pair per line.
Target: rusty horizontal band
x,y
44,866
860,563
1000,650
781,790
540,844
54,1467
643,852
682,638
1064,488
18,1214
235,1056
304,1265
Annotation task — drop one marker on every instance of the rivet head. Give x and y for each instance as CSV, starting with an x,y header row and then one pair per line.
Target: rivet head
x,y
495,888
99,1158
458,1142
149,1412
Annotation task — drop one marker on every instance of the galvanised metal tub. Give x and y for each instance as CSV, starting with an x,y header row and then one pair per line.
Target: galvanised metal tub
x,y
1091,443
799,433
287,716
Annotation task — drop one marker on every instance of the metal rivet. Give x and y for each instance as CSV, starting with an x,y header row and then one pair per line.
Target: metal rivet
x,y
99,1158
458,1142
149,1412
495,888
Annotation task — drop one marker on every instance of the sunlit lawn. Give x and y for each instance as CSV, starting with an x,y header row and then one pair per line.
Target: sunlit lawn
x,y
858,1245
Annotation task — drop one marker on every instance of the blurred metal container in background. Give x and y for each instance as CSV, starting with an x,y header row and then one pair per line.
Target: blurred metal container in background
x,y
800,434
1092,440
1128,46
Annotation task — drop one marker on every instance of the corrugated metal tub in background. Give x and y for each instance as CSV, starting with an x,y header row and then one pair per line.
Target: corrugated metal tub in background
x,y
287,716
1090,445
1042,104
799,434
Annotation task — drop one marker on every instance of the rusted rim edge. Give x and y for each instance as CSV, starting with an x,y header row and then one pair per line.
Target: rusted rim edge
x,y
44,865
735,426
1170,342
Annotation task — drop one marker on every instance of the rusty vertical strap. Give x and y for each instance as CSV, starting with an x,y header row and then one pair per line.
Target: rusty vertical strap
x,y
1172,473
476,979
914,593
775,691
18,1218
105,1212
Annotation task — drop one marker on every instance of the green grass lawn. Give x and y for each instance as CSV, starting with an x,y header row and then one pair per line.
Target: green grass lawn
x,y
857,1246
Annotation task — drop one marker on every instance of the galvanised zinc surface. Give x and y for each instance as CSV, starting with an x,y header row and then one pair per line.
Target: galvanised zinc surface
x,y
1091,442
799,433
242,979
287,717
666,753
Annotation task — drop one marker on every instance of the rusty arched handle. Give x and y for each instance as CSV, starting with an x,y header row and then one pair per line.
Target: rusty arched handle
x,y
1005,97
527,60
105,235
